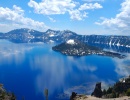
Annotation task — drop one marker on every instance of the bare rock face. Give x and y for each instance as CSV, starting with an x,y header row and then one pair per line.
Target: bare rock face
x,y
97,91
5,95
73,95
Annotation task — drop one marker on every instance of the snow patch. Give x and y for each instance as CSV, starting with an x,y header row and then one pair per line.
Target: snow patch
x,y
110,42
70,42
127,46
118,44
51,41
51,35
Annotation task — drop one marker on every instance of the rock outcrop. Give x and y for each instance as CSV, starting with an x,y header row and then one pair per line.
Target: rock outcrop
x,y
5,95
73,95
97,91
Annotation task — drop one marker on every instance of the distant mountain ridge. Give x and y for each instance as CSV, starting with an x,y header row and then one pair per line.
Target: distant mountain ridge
x,y
25,35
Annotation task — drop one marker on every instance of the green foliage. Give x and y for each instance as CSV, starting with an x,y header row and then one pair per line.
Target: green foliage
x,y
104,92
120,88
113,95
117,87
127,80
109,90
2,95
117,95
128,92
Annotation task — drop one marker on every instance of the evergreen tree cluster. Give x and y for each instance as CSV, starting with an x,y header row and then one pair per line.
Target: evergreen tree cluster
x,y
121,88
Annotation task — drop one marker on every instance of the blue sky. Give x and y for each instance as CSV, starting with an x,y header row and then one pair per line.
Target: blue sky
x,y
81,16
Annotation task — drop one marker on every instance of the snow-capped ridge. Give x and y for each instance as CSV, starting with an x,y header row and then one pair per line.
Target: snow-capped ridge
x,y
25,35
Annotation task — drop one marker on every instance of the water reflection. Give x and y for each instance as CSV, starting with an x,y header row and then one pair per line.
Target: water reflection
x,y
59,68
123,66
60,74
56,72
13,52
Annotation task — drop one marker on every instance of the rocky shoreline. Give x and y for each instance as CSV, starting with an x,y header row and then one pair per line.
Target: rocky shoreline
x,y
4,95
88,97
119,91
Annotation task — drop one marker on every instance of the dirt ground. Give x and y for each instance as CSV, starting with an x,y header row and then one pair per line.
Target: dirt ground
x,y
84,97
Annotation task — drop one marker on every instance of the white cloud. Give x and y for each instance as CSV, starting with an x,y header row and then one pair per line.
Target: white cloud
x,y
121,22
18,10
49,7
94,0
80,13
14,18
52,7
77,15
87,6
51,19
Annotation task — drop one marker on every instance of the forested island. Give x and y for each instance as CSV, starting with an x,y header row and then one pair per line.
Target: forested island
x,y
78,48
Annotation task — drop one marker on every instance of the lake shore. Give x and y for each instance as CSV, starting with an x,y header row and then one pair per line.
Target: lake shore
x,y
88,97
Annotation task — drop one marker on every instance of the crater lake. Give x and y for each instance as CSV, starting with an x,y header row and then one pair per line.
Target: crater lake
x,y
27,69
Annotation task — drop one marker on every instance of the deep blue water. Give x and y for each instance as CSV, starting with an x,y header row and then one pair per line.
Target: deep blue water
x,y
27,69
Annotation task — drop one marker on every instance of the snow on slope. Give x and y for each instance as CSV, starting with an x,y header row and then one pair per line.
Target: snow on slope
x,y
70,41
